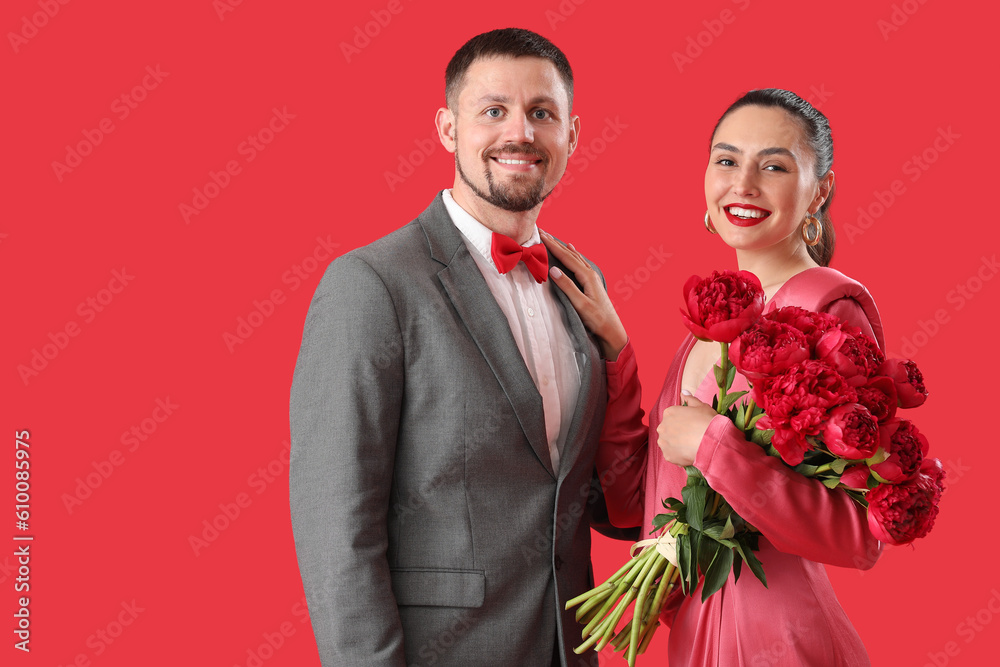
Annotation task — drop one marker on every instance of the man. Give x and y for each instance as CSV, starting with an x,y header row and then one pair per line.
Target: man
x,y
445,414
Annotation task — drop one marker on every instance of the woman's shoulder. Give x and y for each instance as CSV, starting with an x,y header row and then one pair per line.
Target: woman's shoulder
x,y
819,287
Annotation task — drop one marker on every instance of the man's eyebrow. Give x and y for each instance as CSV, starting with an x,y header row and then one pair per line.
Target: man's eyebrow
x,y
499,99
503,99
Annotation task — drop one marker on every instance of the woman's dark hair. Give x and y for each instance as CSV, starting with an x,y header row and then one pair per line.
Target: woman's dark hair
x,y
504,43
817,131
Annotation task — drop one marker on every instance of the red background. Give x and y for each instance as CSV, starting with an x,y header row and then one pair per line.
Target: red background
x,y
892,77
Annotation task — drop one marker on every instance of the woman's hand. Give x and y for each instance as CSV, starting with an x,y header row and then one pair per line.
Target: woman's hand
x,y
682,428
593,304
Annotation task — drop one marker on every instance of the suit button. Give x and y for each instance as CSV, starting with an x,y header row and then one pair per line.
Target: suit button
x,y
558,562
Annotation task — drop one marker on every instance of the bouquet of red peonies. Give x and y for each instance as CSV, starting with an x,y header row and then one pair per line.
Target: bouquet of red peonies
x,y
823,398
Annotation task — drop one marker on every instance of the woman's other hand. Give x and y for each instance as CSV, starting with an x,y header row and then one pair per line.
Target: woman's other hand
x,y
593,304
682,428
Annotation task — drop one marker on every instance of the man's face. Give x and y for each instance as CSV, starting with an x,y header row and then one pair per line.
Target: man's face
x,y
512,132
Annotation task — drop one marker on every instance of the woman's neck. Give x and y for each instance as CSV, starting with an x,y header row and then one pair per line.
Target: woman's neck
x,y
774,266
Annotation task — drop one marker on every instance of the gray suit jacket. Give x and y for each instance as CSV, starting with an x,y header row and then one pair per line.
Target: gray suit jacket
x,y
430,527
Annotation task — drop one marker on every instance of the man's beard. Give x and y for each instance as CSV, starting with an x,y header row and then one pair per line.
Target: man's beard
x,y
521,195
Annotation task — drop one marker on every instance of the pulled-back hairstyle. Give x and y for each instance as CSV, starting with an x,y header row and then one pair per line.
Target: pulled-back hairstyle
x,y
503,43
820,139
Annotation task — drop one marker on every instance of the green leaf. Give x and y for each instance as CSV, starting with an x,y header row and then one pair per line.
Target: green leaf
x,y
880,455
840,465
694,476
731,376
831,482
695,556
737,568
806,469
729,399
718,572
729,530
672,504
746,552
719,379
741,419
660,520
694,500
684,560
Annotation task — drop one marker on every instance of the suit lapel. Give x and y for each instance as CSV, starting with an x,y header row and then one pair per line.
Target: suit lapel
x,y
588,357
474,302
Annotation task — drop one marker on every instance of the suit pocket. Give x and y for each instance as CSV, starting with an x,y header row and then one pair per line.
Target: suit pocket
x,y
439,588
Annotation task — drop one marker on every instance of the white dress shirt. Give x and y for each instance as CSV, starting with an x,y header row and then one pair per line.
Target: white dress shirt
x,y
538,322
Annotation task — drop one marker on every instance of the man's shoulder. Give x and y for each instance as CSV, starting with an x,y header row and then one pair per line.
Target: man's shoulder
x,y
409,244
388,249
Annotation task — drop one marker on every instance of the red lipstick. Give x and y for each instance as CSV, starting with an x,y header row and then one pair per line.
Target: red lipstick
x,y
746,222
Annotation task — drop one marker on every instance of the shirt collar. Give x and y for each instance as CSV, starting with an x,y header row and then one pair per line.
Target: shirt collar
x,y
478,234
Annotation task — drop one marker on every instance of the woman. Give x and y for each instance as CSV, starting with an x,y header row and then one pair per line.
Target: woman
x,y
768,187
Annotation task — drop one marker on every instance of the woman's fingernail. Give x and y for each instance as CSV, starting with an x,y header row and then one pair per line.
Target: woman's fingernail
x,y
555,272
685,392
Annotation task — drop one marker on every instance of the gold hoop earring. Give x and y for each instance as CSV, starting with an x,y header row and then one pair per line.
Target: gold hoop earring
x,y
812,230
708,224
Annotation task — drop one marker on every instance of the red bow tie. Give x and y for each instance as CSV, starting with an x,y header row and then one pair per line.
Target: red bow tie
x,y
507,253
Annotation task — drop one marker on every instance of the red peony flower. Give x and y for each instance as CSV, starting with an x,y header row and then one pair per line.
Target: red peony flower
x,y
906,448
879,396
722,306
900,513
856,477
851,432
908,379
857,357
797,403
811,323
768,348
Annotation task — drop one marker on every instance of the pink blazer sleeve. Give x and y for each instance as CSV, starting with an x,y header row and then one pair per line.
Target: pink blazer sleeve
x,y
621,457
797,515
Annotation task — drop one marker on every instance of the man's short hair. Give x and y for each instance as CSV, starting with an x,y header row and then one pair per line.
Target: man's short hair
x,y
503,43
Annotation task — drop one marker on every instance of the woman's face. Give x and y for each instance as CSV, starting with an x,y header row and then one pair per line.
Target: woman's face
x,y
760,182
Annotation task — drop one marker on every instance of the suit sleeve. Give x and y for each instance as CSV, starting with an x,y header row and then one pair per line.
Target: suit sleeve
x,y
622,454
796,514
345,407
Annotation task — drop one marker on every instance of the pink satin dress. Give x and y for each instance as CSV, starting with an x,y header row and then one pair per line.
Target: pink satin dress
x,y
797,619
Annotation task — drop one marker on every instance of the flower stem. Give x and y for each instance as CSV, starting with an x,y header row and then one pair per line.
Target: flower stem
x,y
635,564
609,583
723,383
715,503
640,605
